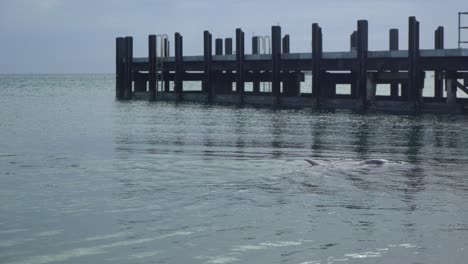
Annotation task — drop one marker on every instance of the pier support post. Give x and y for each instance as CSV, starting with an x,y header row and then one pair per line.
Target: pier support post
x,y
362,51
352,47
255,50
353,41
371,88
207,53
292,83
316,62
166,73
276,63
120,67
414,74
128,68
152,66
240,57
451,85
439,75
140,81
178,82
285,46
393,45
219,46
228,46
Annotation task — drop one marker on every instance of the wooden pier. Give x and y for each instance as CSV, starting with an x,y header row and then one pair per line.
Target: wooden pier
x,y
404,71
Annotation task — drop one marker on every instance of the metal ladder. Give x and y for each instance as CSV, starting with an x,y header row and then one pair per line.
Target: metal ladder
x,y
460,27
163,53
264,43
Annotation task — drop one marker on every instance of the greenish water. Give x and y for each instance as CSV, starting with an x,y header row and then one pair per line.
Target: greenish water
x,y
86,179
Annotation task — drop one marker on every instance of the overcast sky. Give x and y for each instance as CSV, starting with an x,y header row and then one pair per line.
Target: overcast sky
x,y
78,36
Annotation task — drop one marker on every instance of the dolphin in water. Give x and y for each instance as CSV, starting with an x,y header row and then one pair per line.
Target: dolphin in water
x,y
377,162
312,162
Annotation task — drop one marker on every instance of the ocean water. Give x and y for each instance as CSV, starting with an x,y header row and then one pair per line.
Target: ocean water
x,y
87,179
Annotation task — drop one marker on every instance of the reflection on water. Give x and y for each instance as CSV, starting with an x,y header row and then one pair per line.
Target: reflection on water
x,y
125,182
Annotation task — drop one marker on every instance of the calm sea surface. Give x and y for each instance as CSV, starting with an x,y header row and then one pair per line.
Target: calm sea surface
x,y
87,179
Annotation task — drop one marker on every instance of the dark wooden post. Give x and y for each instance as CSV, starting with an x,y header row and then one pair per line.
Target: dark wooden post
x,y
140,81
438,75
414,75
240,64
178,82
219,46
353,41
393,45
227,83
255,50
120,68
316,60
276,62
286,48
207,53
152,66
166,73
352,47
128,68
228,46
362,50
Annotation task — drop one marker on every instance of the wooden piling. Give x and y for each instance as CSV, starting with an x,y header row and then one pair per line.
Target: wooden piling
x,y
362,51
414,89
128,68
228,46
439,75
240,57
353,41
393,45
178,82
152,66
119,69
276,62
140,81
451,86
219,46
166,54
255,50
207,53
286,43
316,61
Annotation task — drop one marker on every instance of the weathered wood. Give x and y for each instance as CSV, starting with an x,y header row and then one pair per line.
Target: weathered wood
x,y
276,62
178,84
353,41
286,43
240,64
255,50
219,46
167,54
317,58
120,68
362,49
414,82
152,66
451,85
207,86
140,82
393,45
228,46
439,75
128,93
